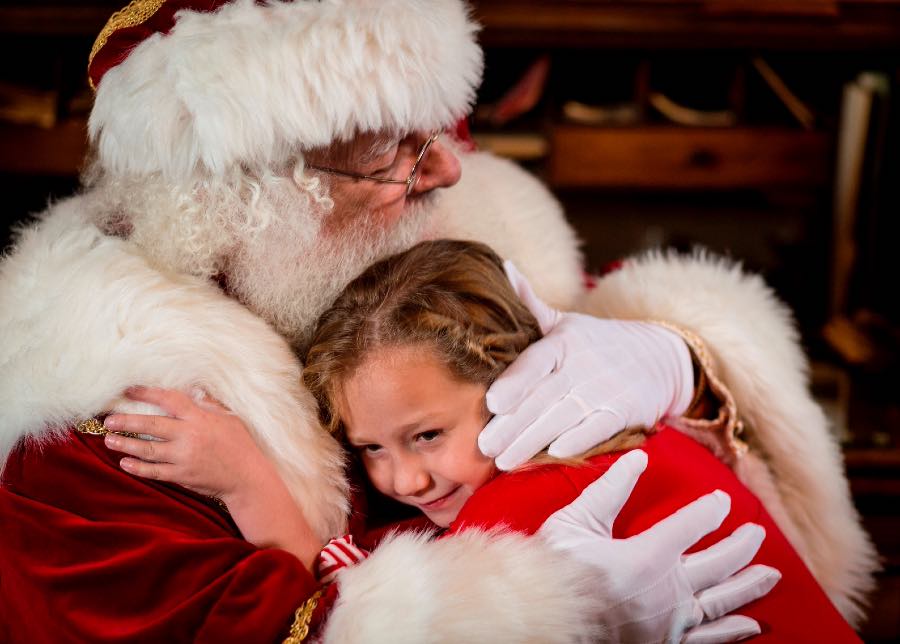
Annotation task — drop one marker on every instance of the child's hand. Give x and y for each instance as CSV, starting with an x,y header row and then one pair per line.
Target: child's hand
x,y
207,449
201,446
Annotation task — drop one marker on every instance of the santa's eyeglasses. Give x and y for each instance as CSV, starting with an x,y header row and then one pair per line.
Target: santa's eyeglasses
x,y
410,181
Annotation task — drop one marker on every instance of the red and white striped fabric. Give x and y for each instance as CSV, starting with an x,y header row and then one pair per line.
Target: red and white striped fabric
x,y
337,554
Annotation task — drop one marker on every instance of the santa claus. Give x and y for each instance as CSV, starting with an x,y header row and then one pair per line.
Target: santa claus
x,y
248,159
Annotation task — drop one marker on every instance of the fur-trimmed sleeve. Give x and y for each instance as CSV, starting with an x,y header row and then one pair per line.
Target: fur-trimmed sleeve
x,y
795,464
87,316
473,587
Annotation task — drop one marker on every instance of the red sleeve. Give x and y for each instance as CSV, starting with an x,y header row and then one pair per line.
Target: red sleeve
x,y
679,471
89,553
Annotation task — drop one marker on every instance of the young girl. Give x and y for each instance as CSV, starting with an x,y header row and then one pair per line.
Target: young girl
x,y
400,365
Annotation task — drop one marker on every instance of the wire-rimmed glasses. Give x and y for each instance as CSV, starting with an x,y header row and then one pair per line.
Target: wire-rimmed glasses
x,y
410,181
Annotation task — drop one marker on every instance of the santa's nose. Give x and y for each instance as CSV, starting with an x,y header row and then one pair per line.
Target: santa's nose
x,y
439,168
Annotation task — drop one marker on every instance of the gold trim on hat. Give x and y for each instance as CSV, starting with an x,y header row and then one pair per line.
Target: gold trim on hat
x,y
135,13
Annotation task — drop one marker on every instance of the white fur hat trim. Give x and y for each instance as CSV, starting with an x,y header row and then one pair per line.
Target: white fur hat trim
x,y
252,84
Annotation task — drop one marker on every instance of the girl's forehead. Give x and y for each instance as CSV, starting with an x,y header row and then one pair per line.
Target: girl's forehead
x,y
406,355
397,386
411,364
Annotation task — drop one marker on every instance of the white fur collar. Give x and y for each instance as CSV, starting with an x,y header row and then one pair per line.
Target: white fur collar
x,y
752,338
85,317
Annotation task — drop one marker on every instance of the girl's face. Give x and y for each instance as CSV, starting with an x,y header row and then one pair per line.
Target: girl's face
x,y
416,429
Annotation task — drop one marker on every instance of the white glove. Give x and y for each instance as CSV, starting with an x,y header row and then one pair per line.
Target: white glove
x,y
651,590
586,380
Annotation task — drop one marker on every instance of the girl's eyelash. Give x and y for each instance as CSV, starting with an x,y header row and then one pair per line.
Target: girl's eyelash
x,y
426,436
433,433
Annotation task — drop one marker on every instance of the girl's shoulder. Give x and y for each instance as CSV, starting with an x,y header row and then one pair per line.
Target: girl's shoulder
x,y
522,500
679,470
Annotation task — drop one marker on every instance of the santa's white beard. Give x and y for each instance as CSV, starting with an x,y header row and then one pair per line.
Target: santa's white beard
x,y
288,274
267,236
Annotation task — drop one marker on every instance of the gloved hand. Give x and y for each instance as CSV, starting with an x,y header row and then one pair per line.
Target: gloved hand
x,y
652,591
587,379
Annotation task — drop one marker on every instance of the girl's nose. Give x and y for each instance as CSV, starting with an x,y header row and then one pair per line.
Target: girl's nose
x,y
410,479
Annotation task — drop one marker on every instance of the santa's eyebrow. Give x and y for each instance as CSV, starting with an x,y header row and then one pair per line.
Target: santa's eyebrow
x,y
378,148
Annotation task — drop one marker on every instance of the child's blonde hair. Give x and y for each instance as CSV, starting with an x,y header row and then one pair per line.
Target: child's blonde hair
x,y
452,297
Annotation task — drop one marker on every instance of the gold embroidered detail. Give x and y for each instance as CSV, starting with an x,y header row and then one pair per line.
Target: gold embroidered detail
x,y
95,427
91,426
302,617
727,423
135,13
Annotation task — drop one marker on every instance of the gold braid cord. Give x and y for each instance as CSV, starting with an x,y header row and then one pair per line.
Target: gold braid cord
x,y
302,617
136,13
726,424
95,428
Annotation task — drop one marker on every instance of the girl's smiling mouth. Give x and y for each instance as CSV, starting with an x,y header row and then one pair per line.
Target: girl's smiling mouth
x,y
439,502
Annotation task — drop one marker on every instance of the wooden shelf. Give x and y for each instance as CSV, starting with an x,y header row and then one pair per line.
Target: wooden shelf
x,y
675,157
56,151
862,25
56,19
872,459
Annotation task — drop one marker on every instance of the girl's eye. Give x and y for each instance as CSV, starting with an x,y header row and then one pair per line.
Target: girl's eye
x,y
430,436
369,449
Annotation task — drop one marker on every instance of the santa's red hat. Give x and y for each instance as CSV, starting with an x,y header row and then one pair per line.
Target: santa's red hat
x,y
204,86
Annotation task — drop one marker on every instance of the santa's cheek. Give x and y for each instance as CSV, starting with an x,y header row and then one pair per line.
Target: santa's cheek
x,y
391,214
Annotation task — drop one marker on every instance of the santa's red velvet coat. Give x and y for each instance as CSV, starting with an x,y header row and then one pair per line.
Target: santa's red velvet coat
x,y
91,554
